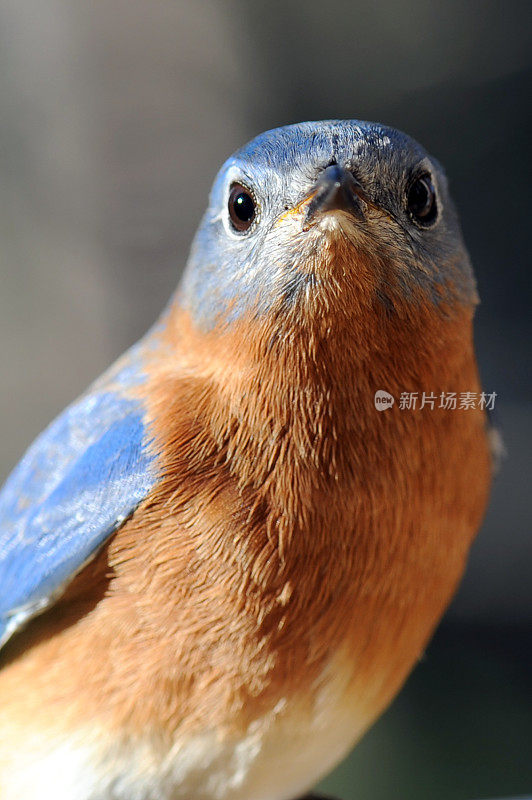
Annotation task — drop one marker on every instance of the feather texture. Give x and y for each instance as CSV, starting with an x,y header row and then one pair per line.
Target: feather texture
x,y
81,478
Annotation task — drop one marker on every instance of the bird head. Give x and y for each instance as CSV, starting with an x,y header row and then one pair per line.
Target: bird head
x,y
324,220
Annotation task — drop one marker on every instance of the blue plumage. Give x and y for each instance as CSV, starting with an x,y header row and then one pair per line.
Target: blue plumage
x,y
76,484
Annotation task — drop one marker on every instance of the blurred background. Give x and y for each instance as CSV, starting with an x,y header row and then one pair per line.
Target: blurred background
x,y
115,116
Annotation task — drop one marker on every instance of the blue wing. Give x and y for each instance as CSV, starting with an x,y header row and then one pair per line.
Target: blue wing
x,y
77,483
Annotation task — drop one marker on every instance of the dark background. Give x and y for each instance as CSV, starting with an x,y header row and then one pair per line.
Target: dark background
x,y
114,117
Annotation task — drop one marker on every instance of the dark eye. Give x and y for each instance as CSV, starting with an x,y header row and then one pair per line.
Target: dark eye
x,y
241,207
421,199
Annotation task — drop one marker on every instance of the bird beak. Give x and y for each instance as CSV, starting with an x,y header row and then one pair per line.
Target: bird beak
x,y
336,190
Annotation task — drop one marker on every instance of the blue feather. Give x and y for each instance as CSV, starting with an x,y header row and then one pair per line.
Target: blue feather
x,y
76,484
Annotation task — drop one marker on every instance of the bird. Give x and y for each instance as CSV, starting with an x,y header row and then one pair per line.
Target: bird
x,y
219,565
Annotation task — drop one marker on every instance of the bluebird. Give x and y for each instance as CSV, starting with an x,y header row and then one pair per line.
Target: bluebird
x,y
218,566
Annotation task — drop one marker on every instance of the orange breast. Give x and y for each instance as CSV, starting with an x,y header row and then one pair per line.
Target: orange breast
x,y
295,526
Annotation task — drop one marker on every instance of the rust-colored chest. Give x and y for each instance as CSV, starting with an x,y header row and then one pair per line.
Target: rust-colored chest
x,y
291,528
296,533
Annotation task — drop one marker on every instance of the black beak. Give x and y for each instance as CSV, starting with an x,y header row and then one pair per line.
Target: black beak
x,y
336,189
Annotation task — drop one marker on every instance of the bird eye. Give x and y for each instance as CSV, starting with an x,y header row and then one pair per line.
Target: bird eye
x,y
421,200
241,207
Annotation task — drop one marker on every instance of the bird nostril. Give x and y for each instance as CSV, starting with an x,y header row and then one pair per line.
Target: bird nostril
x,y
332,172
335,176
336,190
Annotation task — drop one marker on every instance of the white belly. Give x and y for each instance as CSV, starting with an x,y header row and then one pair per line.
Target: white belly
x,y
281,755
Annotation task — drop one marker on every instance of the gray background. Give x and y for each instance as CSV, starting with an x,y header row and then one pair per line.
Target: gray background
x,y
114,117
